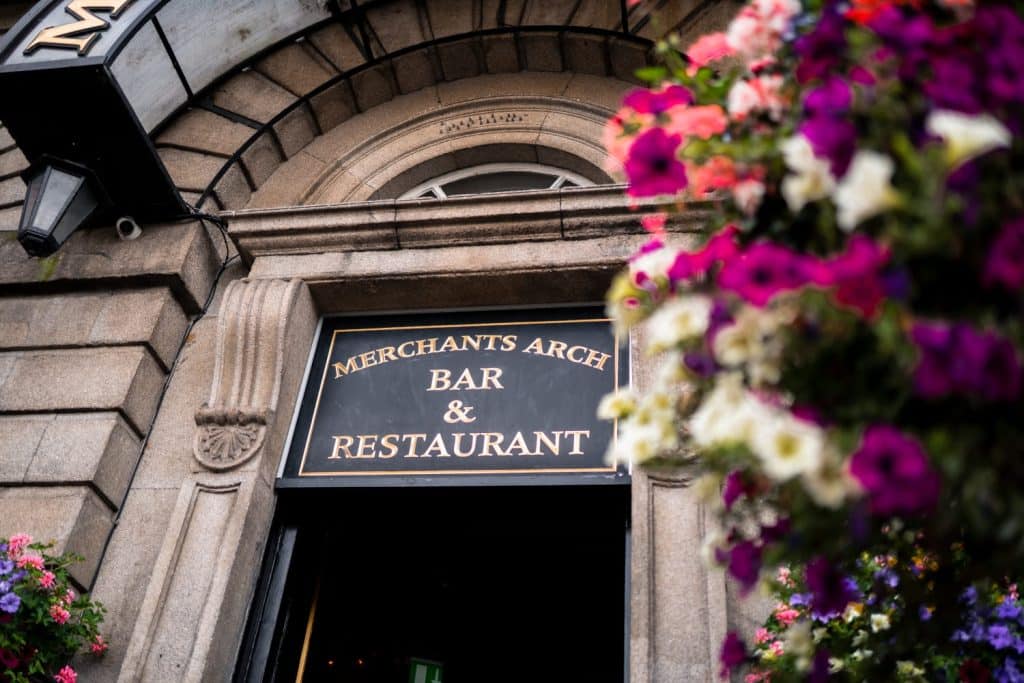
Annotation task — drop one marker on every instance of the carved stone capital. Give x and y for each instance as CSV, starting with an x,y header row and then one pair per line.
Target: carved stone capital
x,y
232,424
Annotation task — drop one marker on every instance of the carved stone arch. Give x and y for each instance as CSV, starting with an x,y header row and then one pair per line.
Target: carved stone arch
x,y
539,118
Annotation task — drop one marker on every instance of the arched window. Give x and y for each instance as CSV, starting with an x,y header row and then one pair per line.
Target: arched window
x,y
487,178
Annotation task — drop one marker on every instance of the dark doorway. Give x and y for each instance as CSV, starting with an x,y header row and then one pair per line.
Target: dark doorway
x,y
494,584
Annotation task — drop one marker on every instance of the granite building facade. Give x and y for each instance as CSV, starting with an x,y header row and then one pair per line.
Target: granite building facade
x,y
334,158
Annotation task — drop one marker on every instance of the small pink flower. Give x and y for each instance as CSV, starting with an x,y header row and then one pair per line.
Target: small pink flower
x,y
776,648
31,561
717,173
652,166
784,576
759,94
787,616
654,223
69,597
66,675
748,195
59,614
98,646
17,543
47,579
707,49
702,121
762,636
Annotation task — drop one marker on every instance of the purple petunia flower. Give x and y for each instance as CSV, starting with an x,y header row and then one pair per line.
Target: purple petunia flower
x,y
764,270
6,567
652,165
1005,263
733,488
743,562
895,472
10,603
1008,610
999,636
830,589
833,138
1009,673
957,359
733,653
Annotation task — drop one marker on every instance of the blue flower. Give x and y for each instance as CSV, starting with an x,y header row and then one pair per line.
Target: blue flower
x,y
924,614
1000,637
6,567
1007,610
5,586
800,599
888,577
970,595
10,603
1009,673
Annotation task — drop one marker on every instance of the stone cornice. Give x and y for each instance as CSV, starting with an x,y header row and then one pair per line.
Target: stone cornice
x,y
558,215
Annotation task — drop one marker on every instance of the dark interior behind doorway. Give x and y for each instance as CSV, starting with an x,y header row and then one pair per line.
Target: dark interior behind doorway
x,y
497,584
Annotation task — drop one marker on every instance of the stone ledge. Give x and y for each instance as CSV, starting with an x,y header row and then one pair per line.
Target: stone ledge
x,y
126,379
72,516
93,449
148,316
415,224
175,255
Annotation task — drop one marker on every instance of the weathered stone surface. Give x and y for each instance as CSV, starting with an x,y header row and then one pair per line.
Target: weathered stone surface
x,y
626,57
585,54
501,55
19,438
12,162
148,316
280,189
252,95
296,68
397,24
596,90
80,448
541,51
460,58
179,256
201,129
126,379
334,41
373,86
415,70
191,170
333,106
459,220
233,190
6,141
9,218
262,158
295,130
72,516
12,191
450,17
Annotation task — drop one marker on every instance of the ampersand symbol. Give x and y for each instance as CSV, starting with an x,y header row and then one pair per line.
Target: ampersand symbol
x,y
458,413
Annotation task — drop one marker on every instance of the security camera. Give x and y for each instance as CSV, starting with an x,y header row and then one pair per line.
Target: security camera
x,y
127,228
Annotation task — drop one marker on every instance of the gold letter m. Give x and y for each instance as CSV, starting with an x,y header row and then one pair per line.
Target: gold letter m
x,y
83,33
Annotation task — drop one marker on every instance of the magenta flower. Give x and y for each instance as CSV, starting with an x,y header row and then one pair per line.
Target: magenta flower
x,y
644,101
894,471
957,359
652,165
734,488
720,248
763,271
831,590
857,275
733,654
1005,263
743,562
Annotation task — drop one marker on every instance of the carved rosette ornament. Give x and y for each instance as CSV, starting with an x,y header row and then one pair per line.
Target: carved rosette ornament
x,y
248,366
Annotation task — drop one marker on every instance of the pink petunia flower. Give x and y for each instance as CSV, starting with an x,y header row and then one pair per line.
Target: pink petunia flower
x,y
652,166
33,561
764,271
59,614
857,275
654,223
762,636
66,675
702,121
717,173
646,101
17,543
707,49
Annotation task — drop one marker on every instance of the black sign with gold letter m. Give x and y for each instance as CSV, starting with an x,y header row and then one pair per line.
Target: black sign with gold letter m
x,y
81,34
464,399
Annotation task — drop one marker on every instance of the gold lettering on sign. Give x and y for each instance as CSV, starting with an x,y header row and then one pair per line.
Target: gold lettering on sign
x,y
81,34
460,444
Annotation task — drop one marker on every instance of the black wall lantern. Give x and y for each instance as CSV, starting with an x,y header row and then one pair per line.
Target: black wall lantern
x,y
61,196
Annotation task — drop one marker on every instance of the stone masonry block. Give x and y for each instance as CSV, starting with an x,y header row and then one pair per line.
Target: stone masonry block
x,y
72,516
9,218
335,42
295,130
415,70
191,170
6,140
373,86
500,54
148,316
19,437
541,51
203,130
12,192
450,17
585,54
626,58
233,189
460,58
262,158
296,68
12,162
126,379
397,24
333,106
253,95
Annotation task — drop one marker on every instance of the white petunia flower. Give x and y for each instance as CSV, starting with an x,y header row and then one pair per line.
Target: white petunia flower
x,y
677,321
811,178
616,405
866,190
787,446
967,136
830,484
879,622
728,414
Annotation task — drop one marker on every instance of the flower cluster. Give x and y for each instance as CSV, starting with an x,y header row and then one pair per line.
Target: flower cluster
x,y
43,622
842,351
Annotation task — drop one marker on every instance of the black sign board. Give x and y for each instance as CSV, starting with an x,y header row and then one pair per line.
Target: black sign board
x,y
458,399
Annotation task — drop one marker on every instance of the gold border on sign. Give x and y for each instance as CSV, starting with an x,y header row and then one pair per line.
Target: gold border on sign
x,y
404,473
301,673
